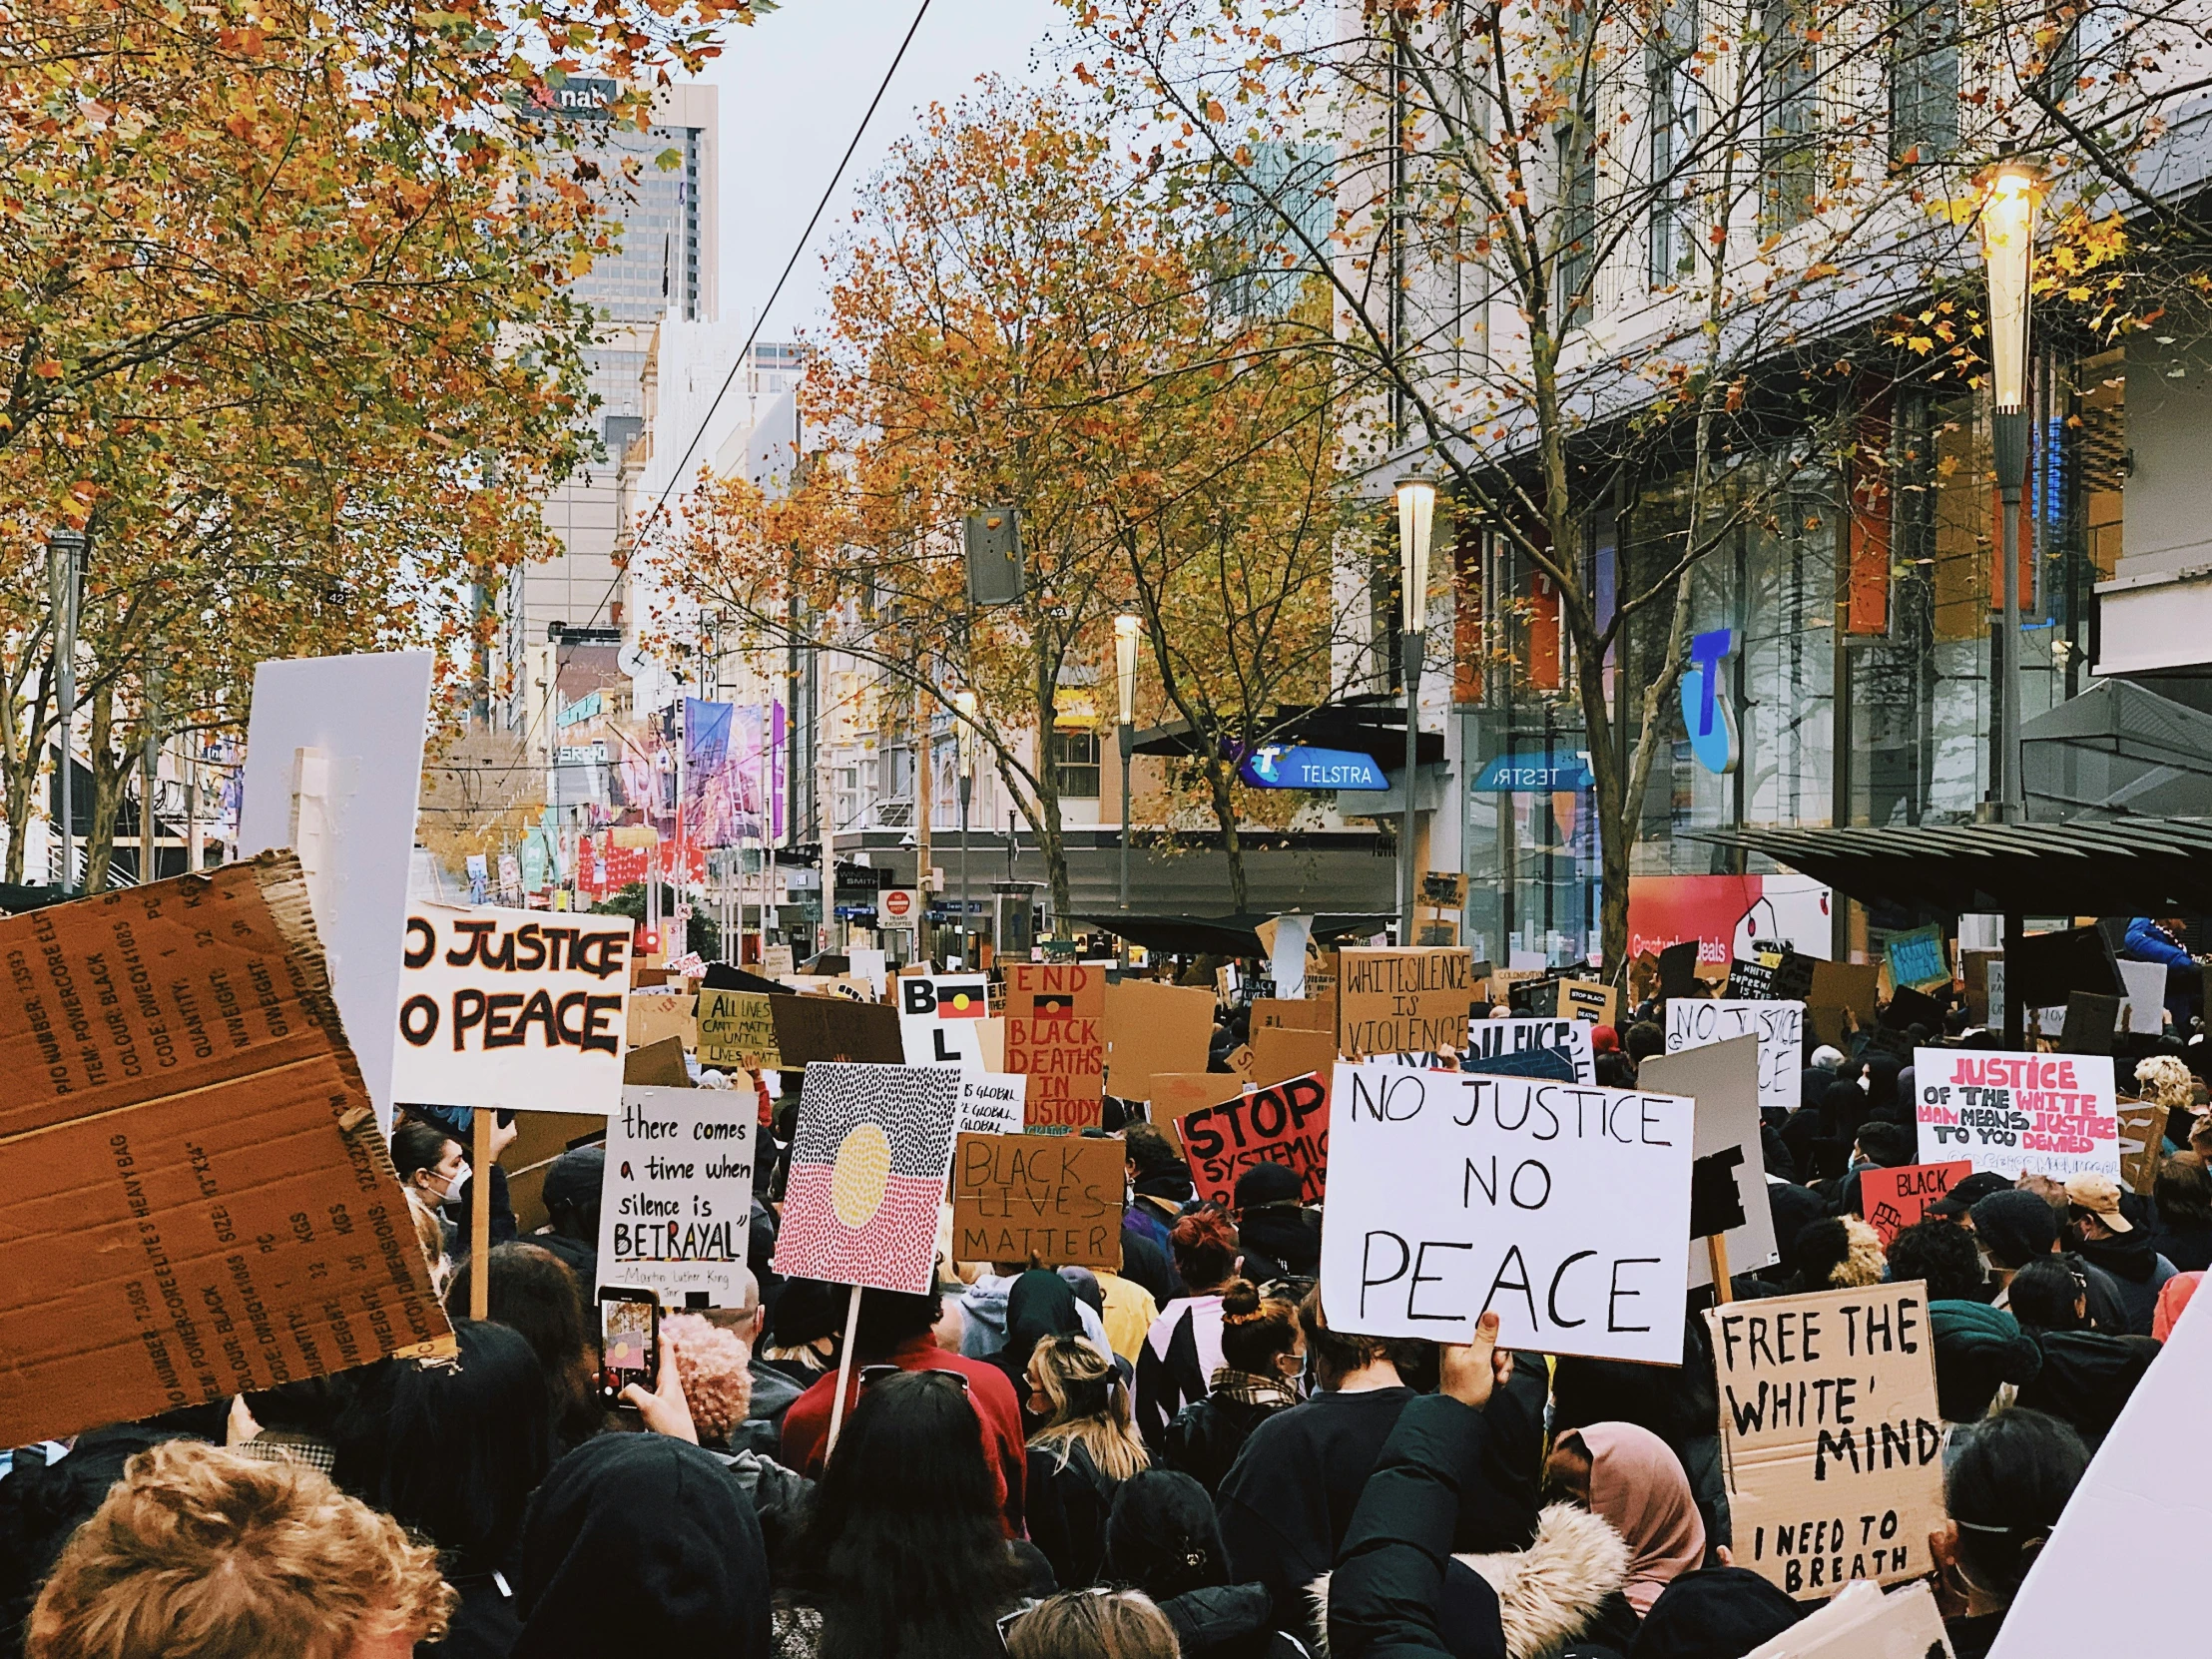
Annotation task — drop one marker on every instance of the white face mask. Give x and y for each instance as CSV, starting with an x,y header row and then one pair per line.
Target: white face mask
x,y
453,1186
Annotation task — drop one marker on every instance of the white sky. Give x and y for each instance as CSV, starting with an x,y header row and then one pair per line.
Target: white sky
x,y
793,88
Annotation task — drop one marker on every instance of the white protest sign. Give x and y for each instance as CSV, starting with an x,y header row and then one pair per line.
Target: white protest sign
x,y
1723,1078
1565,1207
676,1205
1692,1022
991,1102
2018,1114
2145,1010
515,1010
940,1021
334,764
1489,1039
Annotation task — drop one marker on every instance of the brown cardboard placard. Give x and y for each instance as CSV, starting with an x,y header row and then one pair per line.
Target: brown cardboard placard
x,y
1831,1440
1052,1199
1587,999
1311,1013
1152,1027
652,1016
1055,1012
2142,1148
1284,1122
1278,1051
738,1028
1403,1001
199,1202
1852,985
659,1066
1443,889
811,1028
1177,1095
541,1138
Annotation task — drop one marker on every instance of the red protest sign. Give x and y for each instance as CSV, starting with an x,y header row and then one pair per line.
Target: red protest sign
x,y
1894,1199
1286,1123
1054,1033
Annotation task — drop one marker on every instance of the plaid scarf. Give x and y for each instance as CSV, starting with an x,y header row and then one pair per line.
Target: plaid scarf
x,y
1249,1389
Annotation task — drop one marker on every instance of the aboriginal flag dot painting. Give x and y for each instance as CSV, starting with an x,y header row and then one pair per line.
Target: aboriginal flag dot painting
x,y
869,1157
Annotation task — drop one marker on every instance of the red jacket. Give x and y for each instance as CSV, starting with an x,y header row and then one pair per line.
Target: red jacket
x,y
806,1420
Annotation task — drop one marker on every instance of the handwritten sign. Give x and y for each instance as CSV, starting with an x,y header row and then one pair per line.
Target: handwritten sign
x,y
1489,1039
1402,1001
1018,1198
512,1008
1832,1444
991,1102
1918,959
676,1202
1055,1015
1895,1199
1778,1026
941,1020
738,1028
1286,1123
1563,1207
2018,1114
1587,1000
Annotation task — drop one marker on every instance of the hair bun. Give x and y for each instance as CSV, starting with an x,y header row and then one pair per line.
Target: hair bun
x,y
1240,1299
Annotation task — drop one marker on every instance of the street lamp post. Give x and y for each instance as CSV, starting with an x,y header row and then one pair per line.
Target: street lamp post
x,y
2007,246
1125,683
1416,511
964,703
65,557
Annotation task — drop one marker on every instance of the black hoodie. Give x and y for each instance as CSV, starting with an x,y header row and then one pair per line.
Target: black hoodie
x,y
1228,1621
2086,1377
2139,1273
638,1543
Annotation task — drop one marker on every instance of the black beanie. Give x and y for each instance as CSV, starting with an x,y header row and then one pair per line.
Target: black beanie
x,y
1720,1613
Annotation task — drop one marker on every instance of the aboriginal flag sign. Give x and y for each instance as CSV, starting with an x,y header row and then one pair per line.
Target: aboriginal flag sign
x,y
868,1162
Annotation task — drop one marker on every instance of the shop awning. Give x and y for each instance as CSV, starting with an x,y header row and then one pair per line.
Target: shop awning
x,y
1230,935
2101,867
1370,725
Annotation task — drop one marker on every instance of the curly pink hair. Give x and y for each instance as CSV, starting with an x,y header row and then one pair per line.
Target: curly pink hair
x,y
715,1370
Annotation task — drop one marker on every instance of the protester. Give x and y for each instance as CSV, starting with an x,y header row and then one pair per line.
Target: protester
x,y
2183,1195
295,1421
801,1340
1159,1187
453,1450
1834,1253
987,1317
431,1171
2171,1301
1288,1502
2017,1227
2004,1490
894,1330
2109,1239
1943,1257
531,1291
1262,1354
1182,1350
198,1550
2086,1375
1280,1237
1719,1613
1679,1404
1112,1624
1163,1538
1086,1446
42,1504
1628,1476
571,1196
641,1543
1036,1305
1979,1350
769,1390
903,1553
1124,1309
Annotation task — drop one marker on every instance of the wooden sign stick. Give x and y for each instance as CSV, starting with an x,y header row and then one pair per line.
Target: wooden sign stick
x,y
844,1373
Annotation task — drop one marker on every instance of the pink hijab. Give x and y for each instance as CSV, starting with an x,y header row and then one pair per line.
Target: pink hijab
x,y
1636,1483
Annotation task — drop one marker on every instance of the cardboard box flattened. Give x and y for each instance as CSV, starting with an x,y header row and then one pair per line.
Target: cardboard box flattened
x,y
200,1201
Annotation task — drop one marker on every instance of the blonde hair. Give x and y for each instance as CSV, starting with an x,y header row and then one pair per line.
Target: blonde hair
x,y
716,1371
1090,1407
1093,1624
2165,1080
200,1553
1865,1263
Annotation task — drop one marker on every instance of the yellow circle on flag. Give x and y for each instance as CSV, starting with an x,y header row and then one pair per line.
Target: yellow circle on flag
x,y
960,1002
862,1171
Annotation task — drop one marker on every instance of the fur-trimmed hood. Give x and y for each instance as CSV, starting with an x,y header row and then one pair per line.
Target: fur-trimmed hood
x,y
1549,1594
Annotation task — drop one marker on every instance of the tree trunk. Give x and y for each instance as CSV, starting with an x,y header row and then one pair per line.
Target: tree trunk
x,y
28,723
109,770
1049,841
1220,782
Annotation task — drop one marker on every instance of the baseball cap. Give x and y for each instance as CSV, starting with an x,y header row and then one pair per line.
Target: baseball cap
x,y
2100,1196
1967,1193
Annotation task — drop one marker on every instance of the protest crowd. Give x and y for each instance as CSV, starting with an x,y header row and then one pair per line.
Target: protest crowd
x,y
1156,1425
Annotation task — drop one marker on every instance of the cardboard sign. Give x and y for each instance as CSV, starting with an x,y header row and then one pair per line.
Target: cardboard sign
x,y
1295,1014
1831,1442
2142,1145
1055,1201
1402,1001
656,1015
1443,889
1778,1026
198,1201
1565,1208
657,1065
1153,1028
777,964
675,1204
1286,1123
1281,1051
2018,1114
1852,985
1894,1199
1487,1039
333,768
2146,995
812,1028
515,1010
1919,959
1723,1078
940,1021
1586,1000
868,1159
1749,982
1055,1015
738,1029
991,1102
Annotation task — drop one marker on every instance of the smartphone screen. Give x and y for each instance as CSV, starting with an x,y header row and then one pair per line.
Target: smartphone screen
x,y
628,1340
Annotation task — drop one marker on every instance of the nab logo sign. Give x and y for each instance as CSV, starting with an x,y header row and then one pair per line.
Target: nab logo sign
x,y
1706,714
